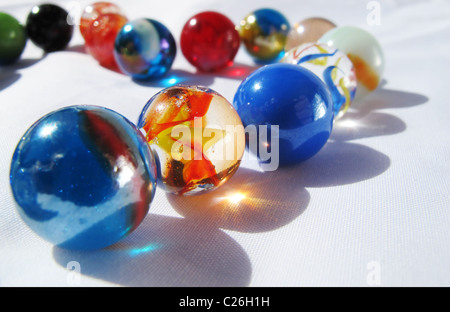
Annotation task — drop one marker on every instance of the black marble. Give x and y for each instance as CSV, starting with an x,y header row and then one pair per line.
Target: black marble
x,y
47,27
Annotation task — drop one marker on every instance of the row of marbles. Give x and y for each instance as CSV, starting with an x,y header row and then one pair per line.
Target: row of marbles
x,y
84,176
348,59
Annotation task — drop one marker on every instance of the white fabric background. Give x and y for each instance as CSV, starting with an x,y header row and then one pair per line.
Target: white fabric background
x,y
375,198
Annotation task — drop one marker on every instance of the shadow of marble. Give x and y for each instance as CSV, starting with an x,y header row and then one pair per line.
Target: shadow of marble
x,y
248,202
78,48
386,98
177,76
23,63
364,120
355,125
9,74
342,163
166,252
253,201
237,71
7,79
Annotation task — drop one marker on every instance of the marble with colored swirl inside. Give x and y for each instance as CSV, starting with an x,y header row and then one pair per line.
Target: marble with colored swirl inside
x,y
264,34
198,137
332,66
144,49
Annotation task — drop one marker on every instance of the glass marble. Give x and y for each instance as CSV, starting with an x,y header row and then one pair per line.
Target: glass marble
x,y
264,34
332,66
197,135
47,27
83,177
12,39
94,10
144,49
365,52
100,37
296,101
308,31
209,41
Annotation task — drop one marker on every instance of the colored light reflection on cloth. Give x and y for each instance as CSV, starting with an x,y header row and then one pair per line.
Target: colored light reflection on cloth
x,y
144,250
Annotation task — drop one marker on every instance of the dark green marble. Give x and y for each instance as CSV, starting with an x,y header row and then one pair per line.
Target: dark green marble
x,y
12,39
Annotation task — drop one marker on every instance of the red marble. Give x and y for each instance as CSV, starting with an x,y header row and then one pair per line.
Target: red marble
x,y
209,41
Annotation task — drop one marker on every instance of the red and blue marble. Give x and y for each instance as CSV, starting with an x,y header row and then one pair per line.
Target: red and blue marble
x,y
83,177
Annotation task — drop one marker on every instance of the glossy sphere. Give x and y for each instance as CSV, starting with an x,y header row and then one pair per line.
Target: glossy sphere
x,y
308,31
209,41
100,38
332,66
198,137
83,177
365,53
292,98
47,27
12,39
144,49
93,11
264,33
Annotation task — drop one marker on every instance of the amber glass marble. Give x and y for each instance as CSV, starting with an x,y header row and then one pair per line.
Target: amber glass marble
x,y
307,31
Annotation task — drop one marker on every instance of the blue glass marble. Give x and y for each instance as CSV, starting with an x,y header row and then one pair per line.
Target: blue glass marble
x,y
83,177
264,34
292,98
144,49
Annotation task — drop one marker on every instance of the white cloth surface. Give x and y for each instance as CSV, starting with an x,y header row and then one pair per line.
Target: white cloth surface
x,y
371,208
